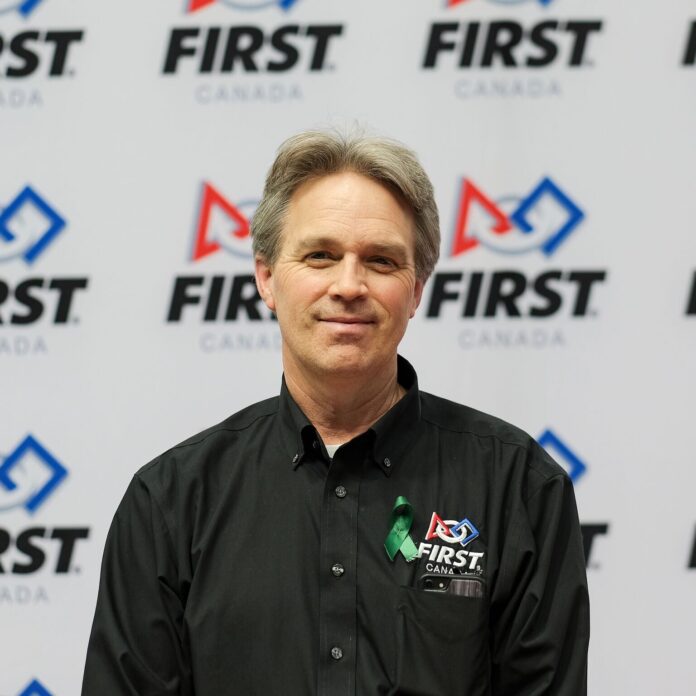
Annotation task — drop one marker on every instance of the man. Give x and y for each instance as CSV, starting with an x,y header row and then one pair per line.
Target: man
x,y
353,535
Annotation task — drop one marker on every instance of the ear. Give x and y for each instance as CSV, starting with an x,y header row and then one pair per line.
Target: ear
x,y
264,282
417,294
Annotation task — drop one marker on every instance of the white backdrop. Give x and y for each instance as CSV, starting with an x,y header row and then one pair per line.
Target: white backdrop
x,y
121,154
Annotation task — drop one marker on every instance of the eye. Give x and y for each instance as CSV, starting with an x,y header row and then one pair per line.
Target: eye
x,y
318,257
383,262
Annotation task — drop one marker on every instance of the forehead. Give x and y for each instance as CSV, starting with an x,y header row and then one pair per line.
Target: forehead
x,y
347,204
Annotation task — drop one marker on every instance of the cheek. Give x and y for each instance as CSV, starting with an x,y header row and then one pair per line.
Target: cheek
x,y
399,299
297,291
314,287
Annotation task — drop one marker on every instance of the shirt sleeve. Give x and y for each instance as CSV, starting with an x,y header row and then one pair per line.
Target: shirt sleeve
x,y
540,609
136,647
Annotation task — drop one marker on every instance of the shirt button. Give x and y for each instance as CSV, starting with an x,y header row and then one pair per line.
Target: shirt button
x,y
315,444
336,653
387,462
340,491
295,459
337,569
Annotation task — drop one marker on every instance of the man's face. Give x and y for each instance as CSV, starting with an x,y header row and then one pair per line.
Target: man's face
x,y
344,285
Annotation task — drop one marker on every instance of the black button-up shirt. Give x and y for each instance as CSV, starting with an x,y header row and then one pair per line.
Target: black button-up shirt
x,y
246,561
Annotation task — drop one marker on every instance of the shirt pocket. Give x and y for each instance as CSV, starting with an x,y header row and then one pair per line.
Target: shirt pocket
x,y
441,644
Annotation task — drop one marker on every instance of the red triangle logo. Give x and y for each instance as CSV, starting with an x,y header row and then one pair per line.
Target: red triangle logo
x,y
470,196
436,522
205,244
199,4
452,3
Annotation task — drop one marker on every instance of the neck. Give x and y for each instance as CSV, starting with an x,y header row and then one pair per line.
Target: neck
x,y
342,407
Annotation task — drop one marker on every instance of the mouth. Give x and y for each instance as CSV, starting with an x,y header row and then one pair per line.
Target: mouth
x,y
347,320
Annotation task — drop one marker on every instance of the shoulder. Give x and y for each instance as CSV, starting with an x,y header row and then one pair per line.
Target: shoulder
x,y
506,442
212,442
459,418
246,419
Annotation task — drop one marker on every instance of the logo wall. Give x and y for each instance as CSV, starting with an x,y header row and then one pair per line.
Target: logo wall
x,y
30,55
535,224
29,227
221,237
260,63
507,57
30,475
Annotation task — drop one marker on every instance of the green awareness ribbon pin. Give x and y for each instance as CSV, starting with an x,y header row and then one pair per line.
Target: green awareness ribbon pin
x,y
398,538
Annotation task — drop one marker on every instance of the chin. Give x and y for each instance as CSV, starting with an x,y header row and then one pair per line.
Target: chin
x,y
343,359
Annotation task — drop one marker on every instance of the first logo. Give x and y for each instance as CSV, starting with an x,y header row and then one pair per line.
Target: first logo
x,y
24,7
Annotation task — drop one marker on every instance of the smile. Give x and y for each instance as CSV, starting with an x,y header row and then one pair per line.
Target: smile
x,y
346,320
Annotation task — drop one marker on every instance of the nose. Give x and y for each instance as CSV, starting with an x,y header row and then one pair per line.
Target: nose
x,y
349,280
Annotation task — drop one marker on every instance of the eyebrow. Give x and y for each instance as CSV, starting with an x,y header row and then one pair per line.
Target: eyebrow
x,y
379,248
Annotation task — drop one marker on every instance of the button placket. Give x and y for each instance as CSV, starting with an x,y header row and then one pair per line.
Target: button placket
x,y
337,601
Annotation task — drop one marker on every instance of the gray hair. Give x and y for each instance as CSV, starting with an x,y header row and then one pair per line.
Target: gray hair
x,y
314,154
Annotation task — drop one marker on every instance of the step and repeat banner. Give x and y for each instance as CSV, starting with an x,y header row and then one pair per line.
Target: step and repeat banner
x,y
560,136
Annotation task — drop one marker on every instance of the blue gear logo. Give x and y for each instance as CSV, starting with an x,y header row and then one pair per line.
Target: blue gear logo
x,y
24,7
29,475
553,444
35,688
28,225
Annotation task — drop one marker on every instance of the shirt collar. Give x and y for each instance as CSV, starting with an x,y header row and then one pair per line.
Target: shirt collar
x,y
298,432
391,434
395,429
